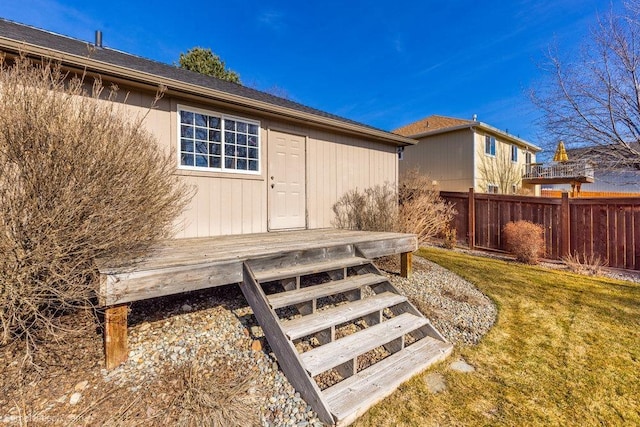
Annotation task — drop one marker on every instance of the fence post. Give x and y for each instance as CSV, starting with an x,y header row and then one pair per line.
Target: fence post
x,y
565,226
472,219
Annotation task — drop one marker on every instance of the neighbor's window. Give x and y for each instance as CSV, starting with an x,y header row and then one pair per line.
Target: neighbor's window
x,y
527,158
490,145
492,188
514,153
218,142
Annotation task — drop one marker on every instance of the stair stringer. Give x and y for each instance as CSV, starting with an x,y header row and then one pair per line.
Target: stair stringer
x,y
286,353
406,306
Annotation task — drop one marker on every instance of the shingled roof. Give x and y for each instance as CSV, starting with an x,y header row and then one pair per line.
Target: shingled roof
x,y
18,37
431,123
435,124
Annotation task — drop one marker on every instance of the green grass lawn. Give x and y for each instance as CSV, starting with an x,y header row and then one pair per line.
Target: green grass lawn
x,y
565,351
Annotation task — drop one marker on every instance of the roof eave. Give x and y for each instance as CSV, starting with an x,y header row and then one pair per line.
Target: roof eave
x,y
188,88
483,126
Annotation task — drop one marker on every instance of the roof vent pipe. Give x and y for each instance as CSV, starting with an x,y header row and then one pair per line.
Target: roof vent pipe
x,y
475,117
98,38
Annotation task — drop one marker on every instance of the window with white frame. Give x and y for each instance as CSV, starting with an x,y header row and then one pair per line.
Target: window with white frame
x,y
489,145
514,153
527,158
492,188
218,142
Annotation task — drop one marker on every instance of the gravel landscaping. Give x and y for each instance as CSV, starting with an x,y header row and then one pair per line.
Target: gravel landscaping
x,y
216,328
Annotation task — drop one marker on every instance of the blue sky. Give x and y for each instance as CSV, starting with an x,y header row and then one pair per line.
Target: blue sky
x,y
386,64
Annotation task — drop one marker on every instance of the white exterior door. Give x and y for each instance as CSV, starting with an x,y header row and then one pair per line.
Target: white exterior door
x,y
286,181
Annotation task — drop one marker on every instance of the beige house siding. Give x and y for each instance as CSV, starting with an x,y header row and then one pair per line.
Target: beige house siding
x,y
500,162
447,158
229,203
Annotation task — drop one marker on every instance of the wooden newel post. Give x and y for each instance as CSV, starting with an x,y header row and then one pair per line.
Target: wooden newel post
x,y
472,219
565,226
115,335
406,269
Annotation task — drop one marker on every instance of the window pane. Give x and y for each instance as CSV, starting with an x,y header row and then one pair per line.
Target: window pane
x,y
201,120
214,162
229,150
242,164
214,149
242,151
186,117
214,122
241,127
214,135
186,131
201,133
186,145
253,129
253,165
202,161
230,125
186,159
253,153
230,137
201,147
253,141
242,139
230,163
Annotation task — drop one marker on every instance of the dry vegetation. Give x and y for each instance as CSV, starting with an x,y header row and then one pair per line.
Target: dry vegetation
x,y
591,265
415,208
78,181
564,351
525,240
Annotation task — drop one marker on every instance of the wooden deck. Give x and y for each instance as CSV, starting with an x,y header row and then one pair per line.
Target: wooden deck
x,y
183,265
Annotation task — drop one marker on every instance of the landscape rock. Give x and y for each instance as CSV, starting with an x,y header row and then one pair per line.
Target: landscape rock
x,y
435,383
81,385
462,366
75,398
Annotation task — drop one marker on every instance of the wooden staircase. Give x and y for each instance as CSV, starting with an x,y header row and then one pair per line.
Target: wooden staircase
x,y
315,347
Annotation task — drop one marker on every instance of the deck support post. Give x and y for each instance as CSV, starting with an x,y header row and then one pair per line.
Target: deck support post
x,y
115,335
406,267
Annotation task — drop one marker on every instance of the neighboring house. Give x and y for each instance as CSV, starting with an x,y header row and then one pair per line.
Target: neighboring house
x,y
259,162
460,154
611,173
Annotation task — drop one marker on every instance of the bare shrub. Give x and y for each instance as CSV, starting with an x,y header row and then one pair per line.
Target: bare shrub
x,y
590,265
374,209
78,181
524,239
219,396
449,237
422,210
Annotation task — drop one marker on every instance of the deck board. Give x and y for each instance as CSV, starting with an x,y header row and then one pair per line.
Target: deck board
x,y
181,265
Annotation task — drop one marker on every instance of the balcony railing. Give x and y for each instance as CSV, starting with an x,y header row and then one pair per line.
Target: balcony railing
x,y
567,172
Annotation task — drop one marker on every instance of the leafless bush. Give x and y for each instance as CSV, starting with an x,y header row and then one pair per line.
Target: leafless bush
x,y
374,209
449,237
584,264
219,396
78,181
524,239
422,210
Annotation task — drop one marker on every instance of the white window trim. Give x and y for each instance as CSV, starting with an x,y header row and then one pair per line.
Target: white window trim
x,y
495,146
222,155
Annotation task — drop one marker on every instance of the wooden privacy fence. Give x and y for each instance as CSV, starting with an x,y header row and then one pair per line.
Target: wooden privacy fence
x,y
609,228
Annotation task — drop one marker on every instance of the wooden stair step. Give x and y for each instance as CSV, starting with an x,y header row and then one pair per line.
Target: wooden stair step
x,y
308,268
352,397
309,293
325,357
322,320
